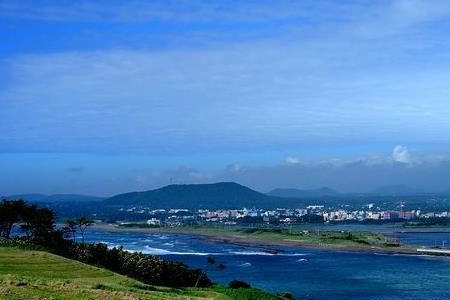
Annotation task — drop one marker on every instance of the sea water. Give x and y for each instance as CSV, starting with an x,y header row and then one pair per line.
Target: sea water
x,y
307,273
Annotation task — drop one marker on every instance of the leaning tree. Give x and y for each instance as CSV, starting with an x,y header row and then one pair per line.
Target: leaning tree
x,y
10,213
80,224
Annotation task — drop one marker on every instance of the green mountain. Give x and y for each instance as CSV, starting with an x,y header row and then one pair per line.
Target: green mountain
x,y
194,196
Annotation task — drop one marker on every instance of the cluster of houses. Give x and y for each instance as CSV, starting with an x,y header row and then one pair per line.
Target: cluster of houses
x,y
312,213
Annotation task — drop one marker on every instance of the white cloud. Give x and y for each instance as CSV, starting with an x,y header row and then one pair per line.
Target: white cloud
x,y
233,168
356,175
141,180
292,160
401,154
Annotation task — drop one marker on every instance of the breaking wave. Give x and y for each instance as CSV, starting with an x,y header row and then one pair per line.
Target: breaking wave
x,y
158,251
262,253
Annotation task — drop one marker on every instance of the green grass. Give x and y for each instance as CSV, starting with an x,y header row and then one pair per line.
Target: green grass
x,y
336,239
332,238
27,274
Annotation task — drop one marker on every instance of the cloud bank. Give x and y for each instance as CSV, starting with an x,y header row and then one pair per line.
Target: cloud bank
x,y
422,170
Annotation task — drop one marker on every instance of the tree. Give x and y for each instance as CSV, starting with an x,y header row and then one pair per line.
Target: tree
x,y
238,284
10,213
81,223
212,265
38,223
70,229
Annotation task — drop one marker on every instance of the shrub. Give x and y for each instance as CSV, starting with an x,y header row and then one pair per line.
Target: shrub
x,y
146,268
21,243
285,295
238,284
39,226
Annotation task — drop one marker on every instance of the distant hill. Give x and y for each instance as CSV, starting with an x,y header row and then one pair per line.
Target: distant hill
x,y
55,198
194,196
297,193
396,190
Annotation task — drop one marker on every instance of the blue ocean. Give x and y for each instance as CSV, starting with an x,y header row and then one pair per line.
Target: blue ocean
x,y
309,274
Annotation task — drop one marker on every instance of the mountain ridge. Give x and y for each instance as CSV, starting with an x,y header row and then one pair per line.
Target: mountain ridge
x,y
212,195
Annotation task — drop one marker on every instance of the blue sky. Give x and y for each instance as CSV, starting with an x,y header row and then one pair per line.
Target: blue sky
x,y
102,97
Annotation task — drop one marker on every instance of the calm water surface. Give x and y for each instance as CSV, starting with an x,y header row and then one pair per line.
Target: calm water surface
x,y
307,273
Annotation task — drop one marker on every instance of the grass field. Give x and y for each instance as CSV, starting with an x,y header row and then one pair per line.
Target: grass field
x,y
40,275
333,238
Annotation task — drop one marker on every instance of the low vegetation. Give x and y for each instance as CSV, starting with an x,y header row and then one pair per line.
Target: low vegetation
x,y
326,237
39,227
30,274
27,272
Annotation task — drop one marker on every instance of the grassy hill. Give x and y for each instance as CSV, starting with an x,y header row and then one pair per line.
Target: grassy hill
x,y
26,274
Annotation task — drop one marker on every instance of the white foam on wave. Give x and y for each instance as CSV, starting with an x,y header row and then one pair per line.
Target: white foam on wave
x,y
403,254
292,254
252,253
262,253
111,245
247,264
104,242
158,251
132,247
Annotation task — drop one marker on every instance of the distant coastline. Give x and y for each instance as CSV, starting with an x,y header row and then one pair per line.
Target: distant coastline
x,y
269,239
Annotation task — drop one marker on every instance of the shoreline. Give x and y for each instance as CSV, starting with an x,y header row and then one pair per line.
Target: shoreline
x,y
247,239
